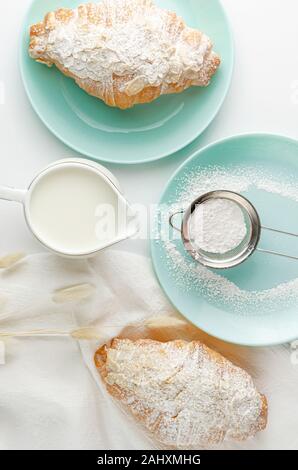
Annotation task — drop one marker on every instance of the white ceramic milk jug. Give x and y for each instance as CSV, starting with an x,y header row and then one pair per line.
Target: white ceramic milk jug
x,y
75,208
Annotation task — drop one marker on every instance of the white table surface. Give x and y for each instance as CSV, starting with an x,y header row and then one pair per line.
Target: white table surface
x,y
263,98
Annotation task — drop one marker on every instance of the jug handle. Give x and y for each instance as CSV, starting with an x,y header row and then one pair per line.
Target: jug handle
x,y
12,194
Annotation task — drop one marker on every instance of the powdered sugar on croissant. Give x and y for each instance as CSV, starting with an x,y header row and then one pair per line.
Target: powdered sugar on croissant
x,y
185,394
124,51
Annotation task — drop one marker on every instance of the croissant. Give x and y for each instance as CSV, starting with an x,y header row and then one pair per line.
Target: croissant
x,y
124,52
186,395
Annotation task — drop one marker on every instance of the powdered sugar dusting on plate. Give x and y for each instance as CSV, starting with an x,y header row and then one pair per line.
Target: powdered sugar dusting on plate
x,y
214,287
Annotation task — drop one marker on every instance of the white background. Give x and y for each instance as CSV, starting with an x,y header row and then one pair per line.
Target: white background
x,y
263,97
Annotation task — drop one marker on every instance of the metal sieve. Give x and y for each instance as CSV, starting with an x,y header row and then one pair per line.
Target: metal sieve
x,y
244,250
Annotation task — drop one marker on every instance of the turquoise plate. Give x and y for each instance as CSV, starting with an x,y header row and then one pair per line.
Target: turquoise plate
x,y
260,322
146,132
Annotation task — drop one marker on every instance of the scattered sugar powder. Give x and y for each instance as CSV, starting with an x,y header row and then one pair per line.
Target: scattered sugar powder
x,y
217,226
190,275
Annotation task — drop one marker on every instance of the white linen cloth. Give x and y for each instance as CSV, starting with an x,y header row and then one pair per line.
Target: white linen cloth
x,y
49,399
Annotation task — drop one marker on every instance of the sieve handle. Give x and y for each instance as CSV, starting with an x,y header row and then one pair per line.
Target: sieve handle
x,y
277,253
280,231
171,220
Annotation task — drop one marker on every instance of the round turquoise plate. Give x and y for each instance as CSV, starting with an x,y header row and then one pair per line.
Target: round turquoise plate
x,y
146,132
265,324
